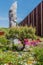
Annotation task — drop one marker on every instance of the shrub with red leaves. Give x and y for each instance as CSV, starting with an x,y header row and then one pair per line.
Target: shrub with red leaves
x,y
1,33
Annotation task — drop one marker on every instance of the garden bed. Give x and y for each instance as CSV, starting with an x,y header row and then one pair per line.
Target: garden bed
x,y
34,57
20,46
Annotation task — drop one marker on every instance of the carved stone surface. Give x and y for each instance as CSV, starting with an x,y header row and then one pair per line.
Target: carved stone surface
x,y
13,15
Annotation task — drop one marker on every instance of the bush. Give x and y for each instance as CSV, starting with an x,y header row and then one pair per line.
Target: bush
x,y
22,32
38,54
19,32
3,40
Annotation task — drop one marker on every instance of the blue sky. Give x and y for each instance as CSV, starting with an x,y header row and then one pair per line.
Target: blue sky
x,y
24,8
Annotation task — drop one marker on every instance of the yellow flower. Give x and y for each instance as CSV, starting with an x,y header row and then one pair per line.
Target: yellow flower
x,y
30,62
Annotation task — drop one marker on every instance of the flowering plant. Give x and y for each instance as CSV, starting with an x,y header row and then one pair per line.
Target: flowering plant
x,y
31,42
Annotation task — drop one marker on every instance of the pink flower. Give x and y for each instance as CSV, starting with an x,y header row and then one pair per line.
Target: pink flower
x,y
30,43
33,43
19,41
27,42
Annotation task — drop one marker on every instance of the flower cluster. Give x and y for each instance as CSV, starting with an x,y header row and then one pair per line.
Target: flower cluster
x,y
31,42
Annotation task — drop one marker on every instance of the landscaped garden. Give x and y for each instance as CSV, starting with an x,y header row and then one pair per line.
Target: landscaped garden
x,y
20,46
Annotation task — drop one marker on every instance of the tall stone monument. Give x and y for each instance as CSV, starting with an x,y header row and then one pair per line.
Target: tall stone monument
x,y
13,15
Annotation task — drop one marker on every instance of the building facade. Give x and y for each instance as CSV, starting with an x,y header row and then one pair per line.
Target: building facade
x,y
35,18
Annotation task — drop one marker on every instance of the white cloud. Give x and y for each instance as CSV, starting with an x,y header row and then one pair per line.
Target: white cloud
x,y
3,18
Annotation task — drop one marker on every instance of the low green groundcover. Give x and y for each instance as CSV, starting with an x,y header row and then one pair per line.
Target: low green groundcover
x,y
34,56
